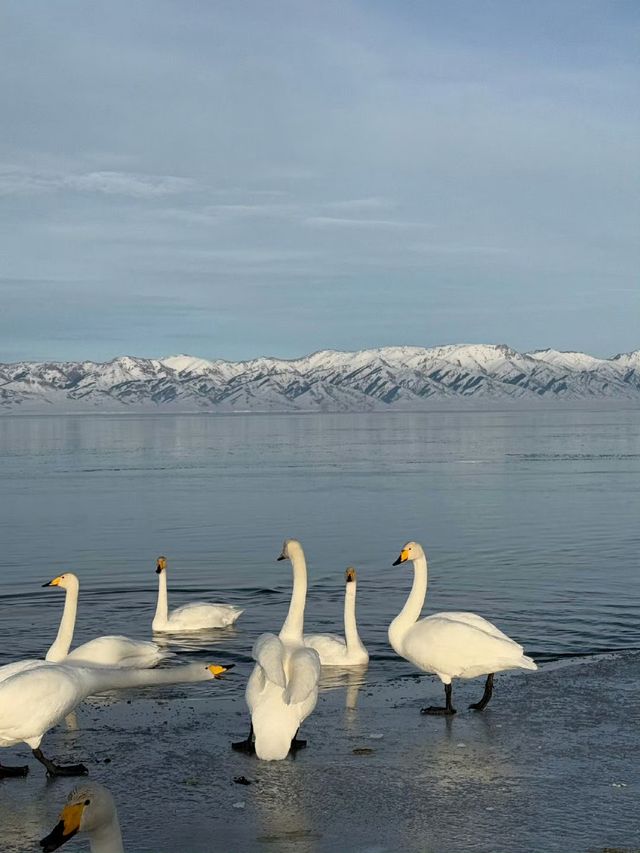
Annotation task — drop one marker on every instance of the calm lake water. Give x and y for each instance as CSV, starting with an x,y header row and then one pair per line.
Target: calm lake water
x,y
529,518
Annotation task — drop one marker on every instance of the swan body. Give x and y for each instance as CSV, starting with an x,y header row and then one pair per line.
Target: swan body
x,y
197,616
34,700
452,644
283,688
342,651
113,650
90,809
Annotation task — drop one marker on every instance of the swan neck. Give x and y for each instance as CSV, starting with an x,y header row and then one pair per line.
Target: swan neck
x,y
162,608
107,839
62,643
294,623
351,635
414,603
108,678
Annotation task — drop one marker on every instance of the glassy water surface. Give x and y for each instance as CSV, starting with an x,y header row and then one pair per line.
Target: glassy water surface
x,y
528,518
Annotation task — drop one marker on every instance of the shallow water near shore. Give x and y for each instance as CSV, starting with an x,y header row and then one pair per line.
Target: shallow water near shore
x,y
529,518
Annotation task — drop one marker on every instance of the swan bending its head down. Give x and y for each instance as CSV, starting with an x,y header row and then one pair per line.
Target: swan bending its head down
x,y
450,645
91,809
197,616
283,688
334,650
107,651
38,698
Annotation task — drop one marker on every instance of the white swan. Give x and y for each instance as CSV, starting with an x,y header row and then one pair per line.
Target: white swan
x,y
107,651
90,808
38,698
283,688
450,645
197,616
334,650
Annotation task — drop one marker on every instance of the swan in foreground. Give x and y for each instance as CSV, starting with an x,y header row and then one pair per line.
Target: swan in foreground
x,y
283,688
90,808
38,698
334,650
450,645
107,651
197,616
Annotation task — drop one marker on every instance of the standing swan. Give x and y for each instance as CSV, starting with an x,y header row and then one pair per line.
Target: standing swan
x,y
283,688
36,699
197,616
107,651
450,645
89,808
333,650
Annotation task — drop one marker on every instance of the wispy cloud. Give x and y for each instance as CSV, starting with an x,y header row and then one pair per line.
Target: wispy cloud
x,y
344,222
457,249
357,204
17,180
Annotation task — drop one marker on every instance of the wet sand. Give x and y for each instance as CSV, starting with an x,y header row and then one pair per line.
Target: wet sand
x,y
552,765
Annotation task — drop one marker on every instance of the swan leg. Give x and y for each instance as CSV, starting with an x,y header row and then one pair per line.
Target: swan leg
x,y
8,772
297,744
247,746
54,769
486,696
448,709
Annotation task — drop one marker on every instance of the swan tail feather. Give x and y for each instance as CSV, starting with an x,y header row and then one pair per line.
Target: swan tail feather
x,y
527,663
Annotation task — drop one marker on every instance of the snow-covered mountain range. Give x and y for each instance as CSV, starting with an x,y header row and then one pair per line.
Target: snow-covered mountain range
x,y
389,377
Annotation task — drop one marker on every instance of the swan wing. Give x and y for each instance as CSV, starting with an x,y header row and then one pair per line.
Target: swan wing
x,y
331,648
304,674
475,621
202,614
269,652
17,666
117,651
458,648
35,699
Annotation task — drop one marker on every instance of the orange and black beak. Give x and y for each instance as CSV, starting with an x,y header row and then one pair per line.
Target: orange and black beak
x,y
404,556
65,829
56,838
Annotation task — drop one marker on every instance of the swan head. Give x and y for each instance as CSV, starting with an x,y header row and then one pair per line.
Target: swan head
x,y
410,551
350,575
66,581
289,548
161,565
89,807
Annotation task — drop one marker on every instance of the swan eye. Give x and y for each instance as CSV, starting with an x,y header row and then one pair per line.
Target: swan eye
x,y
87,802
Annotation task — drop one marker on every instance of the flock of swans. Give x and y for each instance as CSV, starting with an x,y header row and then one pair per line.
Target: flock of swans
x,y
282,690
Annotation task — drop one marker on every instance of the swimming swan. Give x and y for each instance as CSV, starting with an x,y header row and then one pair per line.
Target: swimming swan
x,y
333,650
450,645
107,651
197,616
90,808
36,699
283,688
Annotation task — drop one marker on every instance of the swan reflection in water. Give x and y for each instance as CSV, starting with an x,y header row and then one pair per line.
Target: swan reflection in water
x,y
353,678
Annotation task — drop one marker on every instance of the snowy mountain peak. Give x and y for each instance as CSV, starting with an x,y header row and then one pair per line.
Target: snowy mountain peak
x,y
401,377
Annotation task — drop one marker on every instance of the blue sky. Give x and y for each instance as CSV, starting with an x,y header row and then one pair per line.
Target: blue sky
x,y
248,178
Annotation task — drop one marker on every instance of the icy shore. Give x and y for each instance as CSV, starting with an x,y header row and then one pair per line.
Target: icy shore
x,y
552,766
